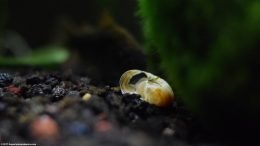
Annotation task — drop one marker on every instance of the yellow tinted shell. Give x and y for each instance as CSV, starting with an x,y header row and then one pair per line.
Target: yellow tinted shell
x,y
151,88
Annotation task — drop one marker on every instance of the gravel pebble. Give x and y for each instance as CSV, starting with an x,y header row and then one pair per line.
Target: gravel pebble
x,y
44,128
5,79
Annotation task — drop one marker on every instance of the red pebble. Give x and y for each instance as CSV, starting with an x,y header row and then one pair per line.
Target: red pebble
x,y
102,116
103,126
13,89
44,128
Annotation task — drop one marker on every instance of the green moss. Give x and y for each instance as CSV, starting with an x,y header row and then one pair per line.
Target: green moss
x,y
208,49
49,56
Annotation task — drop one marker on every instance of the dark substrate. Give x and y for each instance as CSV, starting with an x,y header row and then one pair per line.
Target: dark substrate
x,y
108,118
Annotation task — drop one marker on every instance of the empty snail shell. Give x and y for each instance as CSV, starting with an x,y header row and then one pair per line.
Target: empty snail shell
x,y
151,88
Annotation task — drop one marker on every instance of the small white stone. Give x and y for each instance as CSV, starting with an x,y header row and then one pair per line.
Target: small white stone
x,y
168,132
86,96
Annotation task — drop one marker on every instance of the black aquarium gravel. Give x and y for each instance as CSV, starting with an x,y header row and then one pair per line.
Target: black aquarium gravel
x,y
46,109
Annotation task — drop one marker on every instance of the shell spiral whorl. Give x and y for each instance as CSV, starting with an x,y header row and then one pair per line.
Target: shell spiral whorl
x,y
151,88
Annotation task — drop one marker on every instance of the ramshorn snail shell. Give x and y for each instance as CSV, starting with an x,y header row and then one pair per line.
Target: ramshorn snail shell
x,y
151,88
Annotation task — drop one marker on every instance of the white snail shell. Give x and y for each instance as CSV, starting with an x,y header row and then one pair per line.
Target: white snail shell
x,y
151,88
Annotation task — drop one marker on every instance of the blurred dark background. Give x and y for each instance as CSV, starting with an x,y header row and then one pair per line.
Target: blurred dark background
x,y
36,21
98,36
